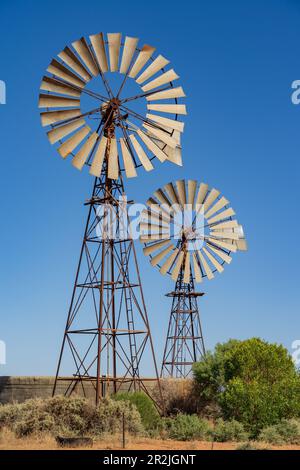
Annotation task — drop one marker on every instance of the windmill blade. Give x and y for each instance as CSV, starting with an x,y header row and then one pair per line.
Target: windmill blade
x,y
213,260
141,60
222,202
205,266
59,70
187,268
148,250
180,185
221,254
113,160
51,117
203,189
226,245
163,136
164,78
177,266
154,236
152,146
162,198
69,145
197,270
225,225
166,94
168,263
168,108
51,101
241,245
159,63
156,216
128,51
97,163
55,86
128,160
141,154
157,258
169,123
152,227
169,188
68,56
82,155
224,235
221,216
82,49
192,186
99,50
60,132
174,155
212,196
114,43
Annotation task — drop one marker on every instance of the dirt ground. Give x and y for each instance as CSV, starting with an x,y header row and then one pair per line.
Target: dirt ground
x,y
9,442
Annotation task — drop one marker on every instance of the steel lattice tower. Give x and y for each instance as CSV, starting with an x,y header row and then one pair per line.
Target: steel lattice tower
x,y
107,330
184,342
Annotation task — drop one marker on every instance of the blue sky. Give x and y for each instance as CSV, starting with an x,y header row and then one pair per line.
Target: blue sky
x,y
236,61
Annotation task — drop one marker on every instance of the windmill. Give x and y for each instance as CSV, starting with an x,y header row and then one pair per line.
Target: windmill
x,y
189,231
112,107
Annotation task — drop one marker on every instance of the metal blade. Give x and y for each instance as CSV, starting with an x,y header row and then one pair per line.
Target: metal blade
x,y
51,117
163,136
169,188
82,155
68,56
205,266
162,198
201,194
177,266
222,202
113,160
230,235
148,250
159,63
168,263
97,163
128,51
82,49
180,185
59,132
51,101
212,196
141,154
128,160
221,216
168,108
225,225
168,123
157,258
50,84
213,260
69,145
59,70
152,146
226,245
164,78
114,43
166,94
187,269
197,270
192,186
99,50
141,60
152,237
221,254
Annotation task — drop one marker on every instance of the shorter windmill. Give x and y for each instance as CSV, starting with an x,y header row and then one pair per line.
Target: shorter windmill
x,y
190,232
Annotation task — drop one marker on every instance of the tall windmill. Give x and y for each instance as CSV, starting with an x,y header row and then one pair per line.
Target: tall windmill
x,y
106,102
189,231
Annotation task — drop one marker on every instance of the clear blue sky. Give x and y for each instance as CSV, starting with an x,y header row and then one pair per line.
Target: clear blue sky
x,y
236,61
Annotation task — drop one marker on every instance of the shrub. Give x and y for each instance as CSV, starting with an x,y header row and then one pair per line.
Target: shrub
x,y
70,417
285,432
253,382
186,427
149,415
229,431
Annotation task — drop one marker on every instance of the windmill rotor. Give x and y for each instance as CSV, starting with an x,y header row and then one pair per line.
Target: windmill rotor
x,y
126,137
191,229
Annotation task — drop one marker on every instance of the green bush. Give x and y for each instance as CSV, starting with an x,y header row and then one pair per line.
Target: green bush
x,y
285,432
150,417
70,417
252,381
186,427
229,431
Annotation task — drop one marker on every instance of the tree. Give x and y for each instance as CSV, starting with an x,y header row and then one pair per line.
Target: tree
x,y
253,381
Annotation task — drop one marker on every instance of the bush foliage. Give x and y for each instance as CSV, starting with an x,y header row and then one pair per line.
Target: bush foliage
x,y
229,431
186,428
285,432
150,417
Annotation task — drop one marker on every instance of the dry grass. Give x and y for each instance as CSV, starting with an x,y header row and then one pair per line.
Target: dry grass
x,y
8,441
